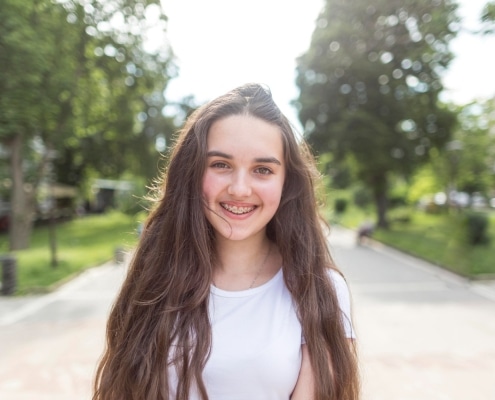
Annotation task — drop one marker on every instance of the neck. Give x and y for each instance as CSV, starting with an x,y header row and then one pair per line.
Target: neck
x,y
242,266
241,257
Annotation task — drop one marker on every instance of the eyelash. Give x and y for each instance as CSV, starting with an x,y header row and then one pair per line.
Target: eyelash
x,y
219,164
259,170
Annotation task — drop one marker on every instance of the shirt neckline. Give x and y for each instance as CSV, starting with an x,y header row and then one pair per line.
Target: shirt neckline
x,y
247,292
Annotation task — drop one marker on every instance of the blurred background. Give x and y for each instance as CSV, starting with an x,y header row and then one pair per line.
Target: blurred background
x,y
396,98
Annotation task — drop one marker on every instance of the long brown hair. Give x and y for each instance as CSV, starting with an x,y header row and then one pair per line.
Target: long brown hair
x,y
160,317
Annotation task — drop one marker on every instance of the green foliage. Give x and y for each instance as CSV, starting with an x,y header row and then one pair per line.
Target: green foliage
x,y
424,182
353,215
117,110
338,175
441,239
341,177
82,243
23,60
402,214
471,155
340,205
438,238
81,92
398,193
362,196
83,86
476,225
488,18
369,85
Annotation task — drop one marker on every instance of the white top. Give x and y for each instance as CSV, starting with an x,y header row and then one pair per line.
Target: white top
x,y
257,337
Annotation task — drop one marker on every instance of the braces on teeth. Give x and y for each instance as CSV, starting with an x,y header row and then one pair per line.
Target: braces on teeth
x,y
237,210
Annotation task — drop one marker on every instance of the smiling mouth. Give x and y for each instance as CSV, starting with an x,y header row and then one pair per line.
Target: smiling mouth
x,y
237,210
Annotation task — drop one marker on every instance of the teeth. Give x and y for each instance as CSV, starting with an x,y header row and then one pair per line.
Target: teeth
x,y
237,210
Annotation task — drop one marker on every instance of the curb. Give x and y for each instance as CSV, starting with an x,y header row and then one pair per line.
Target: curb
x,y
21,307
483,286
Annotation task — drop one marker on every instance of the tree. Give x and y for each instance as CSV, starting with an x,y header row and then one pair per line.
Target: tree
x,y
473,160
488,18
23,64
369,86
120,90
79,82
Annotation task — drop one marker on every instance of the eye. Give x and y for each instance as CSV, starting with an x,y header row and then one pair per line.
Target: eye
x,y
263,171
219,165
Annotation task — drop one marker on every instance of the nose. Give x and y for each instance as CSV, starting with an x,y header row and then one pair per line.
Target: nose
x,y
240,185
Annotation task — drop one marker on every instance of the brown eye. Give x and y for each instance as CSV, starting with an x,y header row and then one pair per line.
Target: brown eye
x,y
263,171
220,165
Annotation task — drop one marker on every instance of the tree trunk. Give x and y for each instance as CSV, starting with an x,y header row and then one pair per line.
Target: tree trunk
x,y
21,199
381,201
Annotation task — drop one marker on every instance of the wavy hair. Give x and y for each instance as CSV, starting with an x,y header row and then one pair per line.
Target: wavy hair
x,y
160,316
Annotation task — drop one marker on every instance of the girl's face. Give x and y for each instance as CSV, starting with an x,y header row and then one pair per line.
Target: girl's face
x,y
244,176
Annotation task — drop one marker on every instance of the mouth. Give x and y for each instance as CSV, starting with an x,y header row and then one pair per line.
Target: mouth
x,y
237,210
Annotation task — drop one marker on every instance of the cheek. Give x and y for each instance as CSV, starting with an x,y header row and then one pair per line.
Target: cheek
x,y
209,187
272,194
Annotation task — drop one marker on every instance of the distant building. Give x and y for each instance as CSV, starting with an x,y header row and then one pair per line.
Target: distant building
x,y
106,191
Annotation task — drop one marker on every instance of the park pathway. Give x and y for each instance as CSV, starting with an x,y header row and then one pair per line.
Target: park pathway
x,y
50,344
424,334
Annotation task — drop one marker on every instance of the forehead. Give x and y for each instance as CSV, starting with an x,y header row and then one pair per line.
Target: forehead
x,y
245,134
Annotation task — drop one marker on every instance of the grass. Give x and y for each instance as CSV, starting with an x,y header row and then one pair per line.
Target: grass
x,y
436,238
81,244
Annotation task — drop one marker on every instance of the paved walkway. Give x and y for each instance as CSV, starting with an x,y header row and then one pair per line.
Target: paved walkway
x,y
50,344
424,334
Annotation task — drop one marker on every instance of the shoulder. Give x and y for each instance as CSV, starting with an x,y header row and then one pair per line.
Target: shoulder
x,y
344,299
339,283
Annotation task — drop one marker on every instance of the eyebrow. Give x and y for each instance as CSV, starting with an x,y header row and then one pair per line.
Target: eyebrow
x,y
264,160
214,153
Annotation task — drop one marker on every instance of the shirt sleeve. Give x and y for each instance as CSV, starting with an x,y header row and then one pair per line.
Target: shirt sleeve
x,y
344,299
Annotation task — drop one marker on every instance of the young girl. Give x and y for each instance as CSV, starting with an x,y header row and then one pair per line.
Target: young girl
x,y
232,293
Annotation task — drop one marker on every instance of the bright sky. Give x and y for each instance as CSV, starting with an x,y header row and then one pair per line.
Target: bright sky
x,y
471,73
221,44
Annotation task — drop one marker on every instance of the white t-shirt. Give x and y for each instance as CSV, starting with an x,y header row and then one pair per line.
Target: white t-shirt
x,y
256,341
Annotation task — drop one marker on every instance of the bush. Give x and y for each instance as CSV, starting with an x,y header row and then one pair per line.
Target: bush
x,y
401,215
340,205
397,200
476,225
362,197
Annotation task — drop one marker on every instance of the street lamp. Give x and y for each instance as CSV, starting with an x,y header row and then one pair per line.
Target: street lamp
x,y
50,156
454,148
